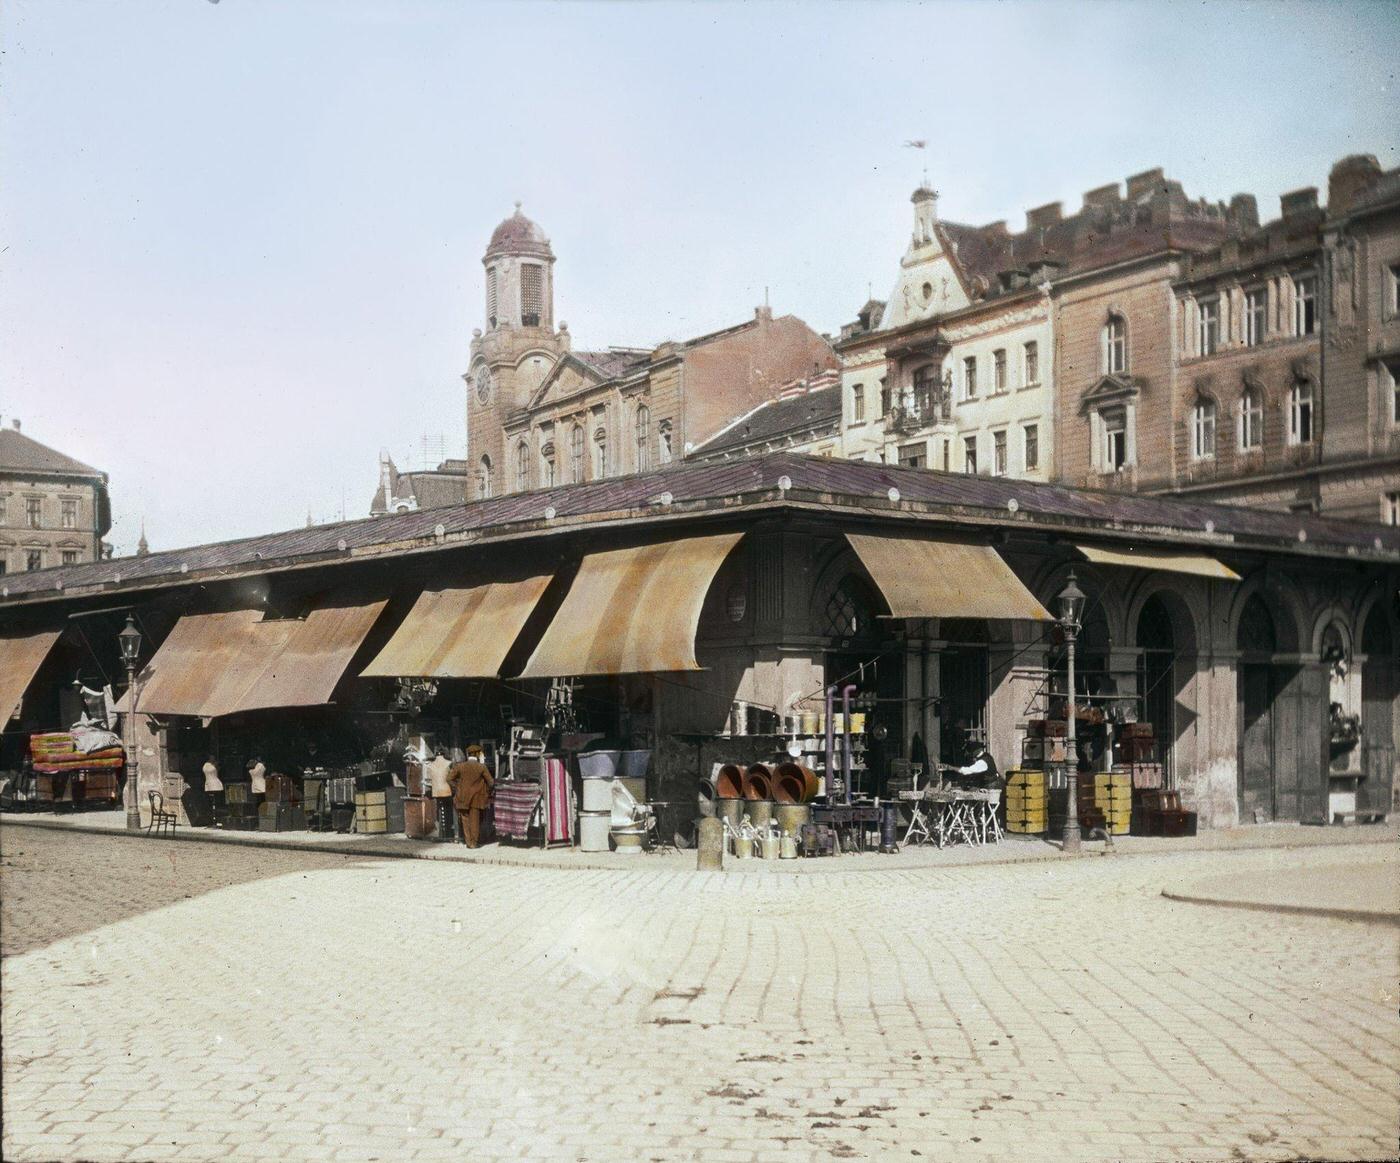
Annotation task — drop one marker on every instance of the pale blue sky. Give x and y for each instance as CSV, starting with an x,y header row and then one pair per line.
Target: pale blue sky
x,y
242,240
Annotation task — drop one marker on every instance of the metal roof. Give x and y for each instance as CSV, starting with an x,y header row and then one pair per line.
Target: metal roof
x,y
695,487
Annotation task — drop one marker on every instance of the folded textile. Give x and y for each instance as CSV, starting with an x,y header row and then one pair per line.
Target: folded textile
x,y
90,739
515,807
560,812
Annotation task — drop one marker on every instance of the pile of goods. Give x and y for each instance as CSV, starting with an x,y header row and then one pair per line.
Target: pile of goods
x,y
65,773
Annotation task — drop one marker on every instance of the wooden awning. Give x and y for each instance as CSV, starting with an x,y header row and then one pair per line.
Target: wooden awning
x,y
459,633
632,611
1193,563
921,578
21,655
220,664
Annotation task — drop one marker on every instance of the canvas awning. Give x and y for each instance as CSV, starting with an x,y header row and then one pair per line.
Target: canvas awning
x,y
21,655
1192,563
459,633
632,611
942,579
219,664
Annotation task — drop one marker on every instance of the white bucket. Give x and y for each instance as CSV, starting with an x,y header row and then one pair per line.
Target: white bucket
x,y
593,829
769,844
627,842
597,795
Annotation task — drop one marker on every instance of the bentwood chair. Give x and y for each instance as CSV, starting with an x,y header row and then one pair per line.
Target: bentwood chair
x,y
162,821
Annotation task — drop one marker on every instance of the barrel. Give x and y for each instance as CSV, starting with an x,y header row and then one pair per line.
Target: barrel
x,y
794,784
730,810
593,829
758,782
760,813
791,817
706,799
729,782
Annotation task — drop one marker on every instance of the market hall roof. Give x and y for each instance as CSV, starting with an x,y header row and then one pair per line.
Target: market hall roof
x,y
686,489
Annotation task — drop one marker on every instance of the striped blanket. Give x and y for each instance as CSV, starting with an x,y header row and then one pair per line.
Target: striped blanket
x,y
515,805
560,809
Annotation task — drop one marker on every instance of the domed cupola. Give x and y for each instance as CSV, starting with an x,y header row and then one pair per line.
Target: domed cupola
x,y
519,275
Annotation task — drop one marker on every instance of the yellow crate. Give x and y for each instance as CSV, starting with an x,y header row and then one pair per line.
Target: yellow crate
x,y
1025,827
1113,780
1024,818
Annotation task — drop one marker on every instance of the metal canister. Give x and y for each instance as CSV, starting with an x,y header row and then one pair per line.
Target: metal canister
x,y
731,810
791,817
759,812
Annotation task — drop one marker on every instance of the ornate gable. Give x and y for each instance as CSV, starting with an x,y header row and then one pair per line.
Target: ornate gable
x,y
1112,390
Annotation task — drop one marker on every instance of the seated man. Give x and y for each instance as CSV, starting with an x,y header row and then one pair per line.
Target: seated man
x,y
980,770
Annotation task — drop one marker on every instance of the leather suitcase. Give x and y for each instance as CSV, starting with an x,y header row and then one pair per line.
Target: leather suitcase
x,y
420,818
342,819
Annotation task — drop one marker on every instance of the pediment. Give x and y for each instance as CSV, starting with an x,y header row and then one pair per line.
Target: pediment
x,y
1112,390
566,378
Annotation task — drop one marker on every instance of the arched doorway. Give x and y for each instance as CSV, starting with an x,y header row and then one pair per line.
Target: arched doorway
x,y
1257,640
962,686
1156,675
1380,686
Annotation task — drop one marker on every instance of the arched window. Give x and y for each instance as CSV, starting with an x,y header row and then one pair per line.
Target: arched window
x,y
548,474
522,467
643,438
1256,633
576,454
483,478
600,454
1115,345
1203,429
1251,420
858,404
1300,413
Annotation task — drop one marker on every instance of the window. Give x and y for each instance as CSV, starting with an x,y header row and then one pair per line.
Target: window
x,y
4,565
491,297
1032,363
1115,345
34,559
884,399
70,557
1115,440
34,512
548,469
1203,430
1208,326
913,455
69,514
947,455
1256,314
999,370
643,438
1300,413
1304,304
858,404
522,467
1251,420
970,378
600,454
1390,509
483,479
999,453
1394,289
1390,372
663,442
531,294
1031,437
576,454
969,454
4,515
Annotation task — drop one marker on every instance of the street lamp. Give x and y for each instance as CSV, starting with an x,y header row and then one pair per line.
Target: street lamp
x,y
130,642
1071,613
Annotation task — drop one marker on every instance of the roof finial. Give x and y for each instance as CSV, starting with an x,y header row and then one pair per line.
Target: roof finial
x,y
517,206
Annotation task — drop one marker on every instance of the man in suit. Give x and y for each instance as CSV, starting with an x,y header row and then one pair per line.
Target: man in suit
x,y
471,782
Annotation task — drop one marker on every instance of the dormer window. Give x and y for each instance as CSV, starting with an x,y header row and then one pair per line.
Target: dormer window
x,y
1115,345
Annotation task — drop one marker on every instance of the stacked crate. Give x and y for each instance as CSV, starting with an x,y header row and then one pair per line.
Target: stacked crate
x,y
1027,802
1113,798
281,808
379,811
240,813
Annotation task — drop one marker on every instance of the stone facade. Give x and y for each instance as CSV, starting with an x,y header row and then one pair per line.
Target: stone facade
x,y
54,510
540,413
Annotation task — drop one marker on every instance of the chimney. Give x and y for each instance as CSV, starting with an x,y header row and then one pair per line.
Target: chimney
x,y
1108,195
1350,178
1046,215
1298,203
763,314
15,422
1144,183
1244,210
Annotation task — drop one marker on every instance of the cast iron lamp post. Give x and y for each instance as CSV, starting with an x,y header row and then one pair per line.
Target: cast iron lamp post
x,y
1071,611
130,642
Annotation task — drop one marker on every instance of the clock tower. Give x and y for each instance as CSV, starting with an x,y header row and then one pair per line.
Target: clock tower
x,y
514,352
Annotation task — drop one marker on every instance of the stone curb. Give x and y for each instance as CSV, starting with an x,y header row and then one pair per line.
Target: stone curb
x,y
1368,916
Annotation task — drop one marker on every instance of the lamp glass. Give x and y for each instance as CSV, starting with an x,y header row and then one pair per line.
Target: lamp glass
x,y
1071,603
130,640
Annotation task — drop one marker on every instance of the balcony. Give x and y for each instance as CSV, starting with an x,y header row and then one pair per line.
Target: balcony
x,y
920,409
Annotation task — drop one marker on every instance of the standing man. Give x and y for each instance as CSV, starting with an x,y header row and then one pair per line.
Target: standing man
x,y
471,791
441,791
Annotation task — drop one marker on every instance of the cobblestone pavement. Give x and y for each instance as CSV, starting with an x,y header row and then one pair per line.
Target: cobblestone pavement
x,y
193,1002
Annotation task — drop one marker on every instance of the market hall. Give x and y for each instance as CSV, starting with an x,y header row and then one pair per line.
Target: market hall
x,y
634,653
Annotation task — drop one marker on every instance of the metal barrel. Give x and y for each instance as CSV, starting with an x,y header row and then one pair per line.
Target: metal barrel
x,y
791,817
759,812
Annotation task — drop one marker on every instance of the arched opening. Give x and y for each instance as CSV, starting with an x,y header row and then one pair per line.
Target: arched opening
x,y
1156,675
963,684
1380,688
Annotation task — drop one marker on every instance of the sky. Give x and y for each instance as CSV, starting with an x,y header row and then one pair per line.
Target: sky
x,y
240,241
